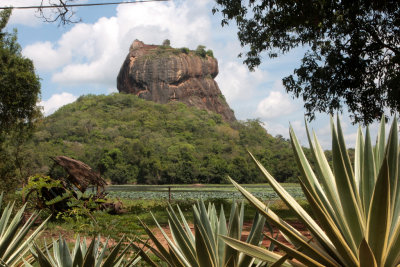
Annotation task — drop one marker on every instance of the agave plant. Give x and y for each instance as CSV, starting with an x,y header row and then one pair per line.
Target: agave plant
x,y
15,240
93,256
357,207
205,247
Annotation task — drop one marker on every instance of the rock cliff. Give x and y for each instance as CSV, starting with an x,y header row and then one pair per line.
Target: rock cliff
x,y
163,74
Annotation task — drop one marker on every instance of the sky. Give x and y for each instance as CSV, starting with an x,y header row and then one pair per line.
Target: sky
x,y
85,58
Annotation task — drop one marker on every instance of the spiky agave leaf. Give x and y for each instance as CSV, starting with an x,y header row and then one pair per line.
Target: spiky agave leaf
x,y
81,256
206,247
14,238
357,210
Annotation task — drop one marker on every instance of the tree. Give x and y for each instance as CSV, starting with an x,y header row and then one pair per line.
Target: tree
x,y
19,94
114,167
19,85
353,54
166,43
61,11
201,51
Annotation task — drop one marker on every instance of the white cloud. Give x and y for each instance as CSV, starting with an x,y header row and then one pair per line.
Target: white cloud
x,y
184,23
45,56
32,17
277,129
237,82
27,17
112,90
350,139
56,101
325,130
93,53
275,105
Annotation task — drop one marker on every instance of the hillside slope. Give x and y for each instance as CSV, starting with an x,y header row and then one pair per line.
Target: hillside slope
x,y
132,140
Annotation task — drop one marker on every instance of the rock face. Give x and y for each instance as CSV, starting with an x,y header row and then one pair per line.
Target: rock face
x,y
163,74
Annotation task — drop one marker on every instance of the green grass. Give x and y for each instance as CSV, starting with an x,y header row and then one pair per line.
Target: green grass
x,y
127,223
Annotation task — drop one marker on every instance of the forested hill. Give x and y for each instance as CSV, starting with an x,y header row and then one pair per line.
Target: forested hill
x,y
132,140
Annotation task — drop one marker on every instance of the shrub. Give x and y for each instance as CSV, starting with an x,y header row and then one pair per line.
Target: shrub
x,y
201,51
185,50
166,43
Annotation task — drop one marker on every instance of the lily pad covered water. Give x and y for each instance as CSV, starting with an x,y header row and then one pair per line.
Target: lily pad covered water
x,y
205,192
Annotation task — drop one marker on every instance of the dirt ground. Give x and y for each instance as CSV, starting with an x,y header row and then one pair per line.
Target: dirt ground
x,y
71,237
246,230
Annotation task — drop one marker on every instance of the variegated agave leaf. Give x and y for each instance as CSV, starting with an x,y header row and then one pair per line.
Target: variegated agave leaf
x,y
205,247
357,206
96,255
15,240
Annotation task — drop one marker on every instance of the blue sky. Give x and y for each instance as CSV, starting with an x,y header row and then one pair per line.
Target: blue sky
x,y
85,58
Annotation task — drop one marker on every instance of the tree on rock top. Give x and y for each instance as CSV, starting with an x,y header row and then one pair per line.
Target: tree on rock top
x,y
166,43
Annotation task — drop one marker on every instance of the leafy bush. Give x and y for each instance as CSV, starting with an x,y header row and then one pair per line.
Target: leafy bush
x,y
185,50
166,43
44,192
63,201
357,207
201,51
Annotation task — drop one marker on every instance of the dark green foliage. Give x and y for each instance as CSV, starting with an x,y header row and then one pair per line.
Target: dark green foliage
x,y
19,85
114,166
19,94
165,51
353,55
63,199
166,43
201,51
185,50
44,192
57,172
128,140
